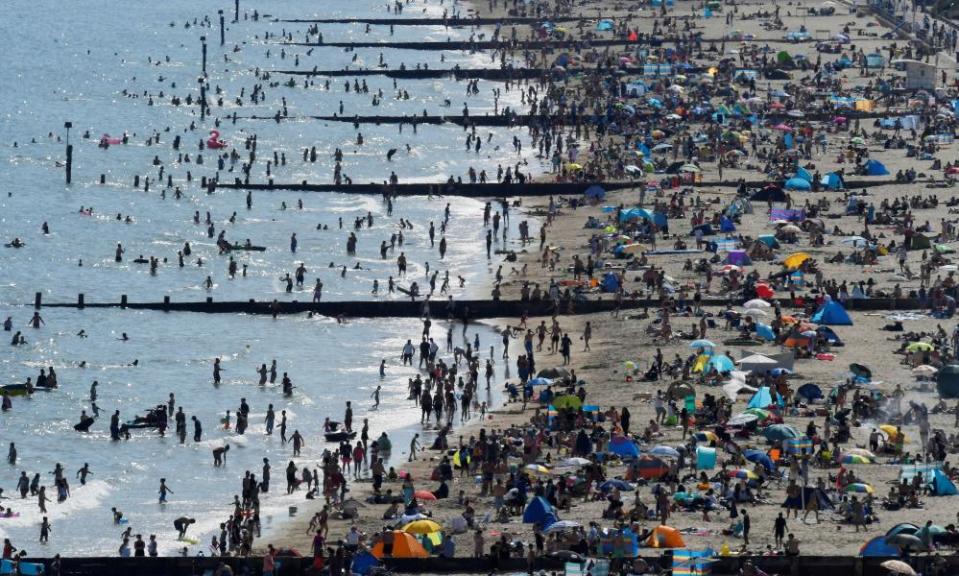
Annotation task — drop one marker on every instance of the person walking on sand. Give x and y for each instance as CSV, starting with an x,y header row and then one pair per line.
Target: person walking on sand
x,y
587,335
414,445
746,523
779,529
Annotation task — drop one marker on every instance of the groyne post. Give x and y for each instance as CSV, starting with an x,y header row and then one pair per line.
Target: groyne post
x,y
222,29
37,300
69,125
236,10
80,302
203,44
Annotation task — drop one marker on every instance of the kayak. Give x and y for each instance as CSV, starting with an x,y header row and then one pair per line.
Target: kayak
x,y
248,248
16,389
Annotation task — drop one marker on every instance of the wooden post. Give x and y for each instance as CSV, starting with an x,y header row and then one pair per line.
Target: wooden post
x,y
166,302
203,40
203,88
69,171
37,300
80,301
69,163
222,30
123,301
103,178
136,181
236,10
209,299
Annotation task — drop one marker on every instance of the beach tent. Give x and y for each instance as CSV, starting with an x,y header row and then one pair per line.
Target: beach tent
x,y
804,174
665,537
829,335
947,381
779,432
539,511
623,447
705,458
941,485
920,242
761,398
595,192
364,563
726,225
878,548
832,181
875,60
688,562
610,282
738,258
404,546
798,184
769,194
876,168
833,314
784,59
649,467
810,391
706,228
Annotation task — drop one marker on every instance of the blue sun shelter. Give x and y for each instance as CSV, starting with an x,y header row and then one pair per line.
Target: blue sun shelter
x,y
876,168
539,511
832,313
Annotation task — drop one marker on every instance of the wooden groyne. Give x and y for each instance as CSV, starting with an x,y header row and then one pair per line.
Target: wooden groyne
x,y
457,309
520,44
463,73
438,189
498,190
450,21
509,120
297,566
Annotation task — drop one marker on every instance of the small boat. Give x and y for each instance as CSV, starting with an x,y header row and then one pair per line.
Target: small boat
x,y
339,436
248,248
17,389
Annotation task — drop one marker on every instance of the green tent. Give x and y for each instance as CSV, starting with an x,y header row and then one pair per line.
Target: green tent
x,y
920,242
784,58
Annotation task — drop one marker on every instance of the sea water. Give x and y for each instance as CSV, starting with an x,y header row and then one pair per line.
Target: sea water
x,y
97,64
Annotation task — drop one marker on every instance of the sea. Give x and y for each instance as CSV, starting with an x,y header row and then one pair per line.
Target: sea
x,y
113,68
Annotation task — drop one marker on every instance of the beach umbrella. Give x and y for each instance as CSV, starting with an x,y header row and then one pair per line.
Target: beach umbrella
x,y
422,527
855,241
562,526
742,420
701,344
690,168
755,312
899,567
782,127
858,140
632,168
779,432
743,474
651,467
859,488
665,452
575,461
621,485
891,431
536,469
707,436
662,147
759,457
791,228
855,459
760,413
567,401
920,347
795,260
780,371
860,452
924,370
729,268
424,495
721,363
757,303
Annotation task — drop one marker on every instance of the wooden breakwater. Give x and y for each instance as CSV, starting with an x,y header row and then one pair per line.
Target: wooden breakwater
x,y
456,309
298,566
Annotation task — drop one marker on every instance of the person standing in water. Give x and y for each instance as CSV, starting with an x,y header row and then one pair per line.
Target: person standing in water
x,y
164,489
82,473
376,397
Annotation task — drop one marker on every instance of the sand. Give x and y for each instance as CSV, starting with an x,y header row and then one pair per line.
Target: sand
x,y
617,339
